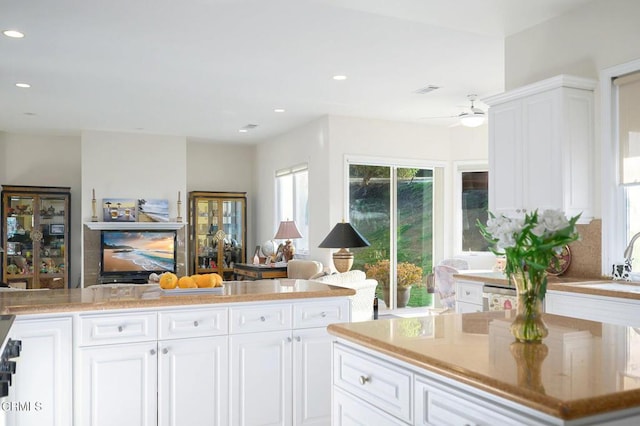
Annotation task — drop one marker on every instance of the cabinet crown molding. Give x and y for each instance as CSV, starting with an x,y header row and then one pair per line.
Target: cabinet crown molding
x,y
562,80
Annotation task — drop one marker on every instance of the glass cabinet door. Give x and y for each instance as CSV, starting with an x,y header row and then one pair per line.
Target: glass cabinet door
x,y
35,234
19,248
218,232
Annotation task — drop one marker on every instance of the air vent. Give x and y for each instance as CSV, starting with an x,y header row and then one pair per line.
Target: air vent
x,y
250,126
426,90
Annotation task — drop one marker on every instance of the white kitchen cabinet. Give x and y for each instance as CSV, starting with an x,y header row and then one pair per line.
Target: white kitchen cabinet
x,y
42,383
280,362
351,411
468,296
613,310
118,385
260,367
164,368
541,147
193,382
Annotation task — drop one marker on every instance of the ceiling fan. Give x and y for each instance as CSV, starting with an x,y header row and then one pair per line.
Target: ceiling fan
x,y
473,117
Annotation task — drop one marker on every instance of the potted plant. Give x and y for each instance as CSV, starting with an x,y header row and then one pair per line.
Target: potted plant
x,y
408,275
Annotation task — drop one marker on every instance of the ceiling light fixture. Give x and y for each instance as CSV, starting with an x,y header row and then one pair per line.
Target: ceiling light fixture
x,y
339,77
243,130
23,85
474,118
13,33
278,110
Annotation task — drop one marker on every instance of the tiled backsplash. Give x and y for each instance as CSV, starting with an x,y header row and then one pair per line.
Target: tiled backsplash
x,y
586,254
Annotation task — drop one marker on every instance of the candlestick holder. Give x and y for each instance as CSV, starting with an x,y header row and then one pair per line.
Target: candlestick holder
x,y
94,216
179,218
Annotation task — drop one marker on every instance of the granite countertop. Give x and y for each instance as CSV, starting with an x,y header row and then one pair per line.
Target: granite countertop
x,y
589,367
599,286
102,297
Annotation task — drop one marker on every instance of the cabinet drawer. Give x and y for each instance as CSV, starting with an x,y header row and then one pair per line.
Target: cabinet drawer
x,y
469,292
320,314
373,380
118,328
439,405
193,323
260,318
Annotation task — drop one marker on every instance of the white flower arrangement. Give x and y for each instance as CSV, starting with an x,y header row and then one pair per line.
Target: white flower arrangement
x,y
530,243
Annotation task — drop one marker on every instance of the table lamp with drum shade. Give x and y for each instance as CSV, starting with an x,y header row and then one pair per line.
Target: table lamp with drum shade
x,y
287,231
343,236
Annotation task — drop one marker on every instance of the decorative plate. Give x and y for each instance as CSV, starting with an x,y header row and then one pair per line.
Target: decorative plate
x,y
562,264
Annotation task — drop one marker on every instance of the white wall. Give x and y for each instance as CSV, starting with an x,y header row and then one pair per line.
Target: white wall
x,y
306,144
583,42
132,166
325,144
40,160
224,167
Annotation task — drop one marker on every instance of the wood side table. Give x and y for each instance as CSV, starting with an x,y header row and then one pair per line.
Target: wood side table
x,y
248,271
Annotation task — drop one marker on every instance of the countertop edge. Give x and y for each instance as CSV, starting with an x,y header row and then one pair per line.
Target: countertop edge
x,y
566,410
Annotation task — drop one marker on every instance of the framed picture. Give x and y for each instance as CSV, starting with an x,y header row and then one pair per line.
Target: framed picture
x,y
56,229
119,210
152,210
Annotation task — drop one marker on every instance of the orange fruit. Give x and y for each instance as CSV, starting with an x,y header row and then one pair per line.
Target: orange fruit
x,y
186,282
203,281
217,279
168,281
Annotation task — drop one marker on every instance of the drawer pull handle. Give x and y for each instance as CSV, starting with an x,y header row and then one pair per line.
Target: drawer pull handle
x,y
364,380
195,323
467,292
323,314
298,338
165,351
289,339
263,319
120,329
152,351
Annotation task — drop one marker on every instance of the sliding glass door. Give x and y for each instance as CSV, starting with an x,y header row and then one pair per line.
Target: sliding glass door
x,y
393,208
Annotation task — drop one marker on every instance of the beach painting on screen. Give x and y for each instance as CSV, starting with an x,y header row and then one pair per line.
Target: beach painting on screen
x,y
153,210
138,251
119,210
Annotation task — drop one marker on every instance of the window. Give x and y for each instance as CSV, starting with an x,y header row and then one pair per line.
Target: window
x,y
620,161
471,204
292,200
395,208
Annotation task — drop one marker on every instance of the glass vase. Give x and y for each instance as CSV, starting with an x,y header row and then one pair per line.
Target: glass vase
x,y
528,326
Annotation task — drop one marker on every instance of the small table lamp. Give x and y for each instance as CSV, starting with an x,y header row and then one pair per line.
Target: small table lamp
x,y
343,236
287,231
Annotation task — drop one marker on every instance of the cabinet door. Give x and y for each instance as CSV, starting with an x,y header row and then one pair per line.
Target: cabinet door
x,y
117,385
505,157
312,377
193,381
350,411
260,367
42,379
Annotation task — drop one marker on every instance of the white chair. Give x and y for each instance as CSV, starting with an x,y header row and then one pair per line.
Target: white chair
x,y
303,269
362,301
445,285
454,262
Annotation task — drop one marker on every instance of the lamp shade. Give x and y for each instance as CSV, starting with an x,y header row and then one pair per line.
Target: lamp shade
x,y
343,235
287,230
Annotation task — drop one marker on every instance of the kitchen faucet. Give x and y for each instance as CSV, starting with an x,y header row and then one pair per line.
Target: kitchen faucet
x,y
628,252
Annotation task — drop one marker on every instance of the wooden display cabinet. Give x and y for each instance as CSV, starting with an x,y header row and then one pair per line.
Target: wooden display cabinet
x,y
35,236
217,222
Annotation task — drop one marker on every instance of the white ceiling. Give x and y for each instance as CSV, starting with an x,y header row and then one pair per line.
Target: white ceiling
x,y
205,68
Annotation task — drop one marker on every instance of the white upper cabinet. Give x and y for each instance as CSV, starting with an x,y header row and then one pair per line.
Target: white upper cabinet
x,y
541,147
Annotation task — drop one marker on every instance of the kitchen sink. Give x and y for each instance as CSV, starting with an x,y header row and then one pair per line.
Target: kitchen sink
x,y
626,287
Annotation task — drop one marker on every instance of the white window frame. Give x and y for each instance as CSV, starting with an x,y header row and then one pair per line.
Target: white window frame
x,y
301,245
614,238
458,168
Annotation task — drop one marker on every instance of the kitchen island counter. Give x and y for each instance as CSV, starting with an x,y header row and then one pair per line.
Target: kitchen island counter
x,y
106,297
583,368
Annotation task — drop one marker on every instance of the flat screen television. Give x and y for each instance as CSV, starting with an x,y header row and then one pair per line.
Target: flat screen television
x,y
136,254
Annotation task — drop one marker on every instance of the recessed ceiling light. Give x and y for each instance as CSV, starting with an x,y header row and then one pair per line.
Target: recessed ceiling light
x,y
278,110
339,77
13,33
243,130
23,85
